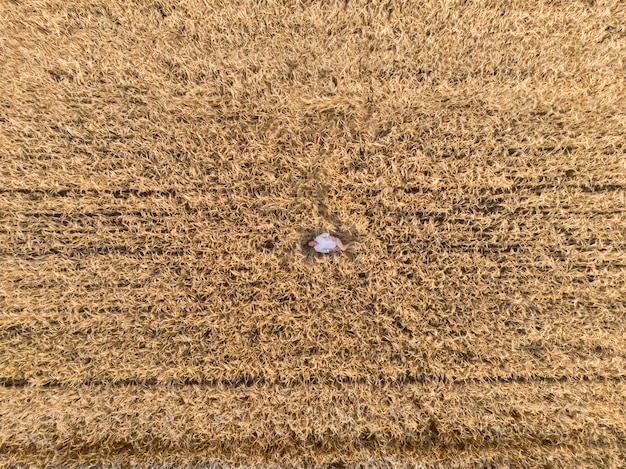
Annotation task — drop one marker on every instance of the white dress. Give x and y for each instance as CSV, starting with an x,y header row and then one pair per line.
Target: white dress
x,y
324,243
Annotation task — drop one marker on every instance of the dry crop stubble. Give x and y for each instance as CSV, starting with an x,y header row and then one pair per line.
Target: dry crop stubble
x,y
162,164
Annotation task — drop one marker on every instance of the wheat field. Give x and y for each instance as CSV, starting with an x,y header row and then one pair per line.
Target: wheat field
x,y
163,165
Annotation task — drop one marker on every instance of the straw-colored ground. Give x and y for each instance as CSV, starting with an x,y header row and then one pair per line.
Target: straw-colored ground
x,y
162,165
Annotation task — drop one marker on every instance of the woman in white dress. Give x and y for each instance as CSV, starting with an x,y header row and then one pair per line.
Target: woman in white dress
x,y
326,243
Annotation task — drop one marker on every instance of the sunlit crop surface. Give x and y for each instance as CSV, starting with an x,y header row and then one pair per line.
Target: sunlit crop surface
x,y
162,165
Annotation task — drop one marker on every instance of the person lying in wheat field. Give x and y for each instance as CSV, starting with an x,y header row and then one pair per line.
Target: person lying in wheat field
x,y
326,243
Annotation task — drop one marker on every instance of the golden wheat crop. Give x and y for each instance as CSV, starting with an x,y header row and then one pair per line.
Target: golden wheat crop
x,y
162,165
